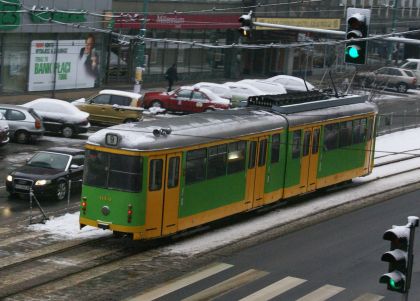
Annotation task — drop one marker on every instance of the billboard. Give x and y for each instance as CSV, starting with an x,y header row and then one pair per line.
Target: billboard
x,y
71,64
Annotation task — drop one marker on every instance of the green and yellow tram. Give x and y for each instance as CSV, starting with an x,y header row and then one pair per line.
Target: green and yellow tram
x,y
156,178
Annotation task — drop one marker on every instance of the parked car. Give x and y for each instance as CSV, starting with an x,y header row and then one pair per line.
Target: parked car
x,y
48,173
186,99
268,88
217,89
112,107
241,92
389,77
24,123
291,83
4,131
59,116
414,66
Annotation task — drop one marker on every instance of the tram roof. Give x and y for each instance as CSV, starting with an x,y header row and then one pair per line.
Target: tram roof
x,y
191,129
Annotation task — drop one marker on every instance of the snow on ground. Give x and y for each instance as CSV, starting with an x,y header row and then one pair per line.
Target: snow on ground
x,y
67,227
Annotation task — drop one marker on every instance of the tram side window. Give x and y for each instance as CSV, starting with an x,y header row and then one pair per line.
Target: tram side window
x,y
216,165
236,157
155,174
368,129
296,144
357,132
263,152
275,148
252,154
331,136
95,173
345,133
173,172
125,172
196,166
306,143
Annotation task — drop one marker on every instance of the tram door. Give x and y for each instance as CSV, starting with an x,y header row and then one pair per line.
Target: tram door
x,y
309,160
171,197
256,171
162,195
155,193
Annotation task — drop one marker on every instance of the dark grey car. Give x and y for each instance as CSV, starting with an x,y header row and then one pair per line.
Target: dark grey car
x,y
24,124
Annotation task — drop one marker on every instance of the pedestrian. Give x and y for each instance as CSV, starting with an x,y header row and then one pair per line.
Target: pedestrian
x,y
171,76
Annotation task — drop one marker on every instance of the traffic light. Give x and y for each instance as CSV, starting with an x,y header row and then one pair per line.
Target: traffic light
x,y
400,257
246,25
357,28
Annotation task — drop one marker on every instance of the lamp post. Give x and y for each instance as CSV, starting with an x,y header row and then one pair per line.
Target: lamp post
x,y
141,49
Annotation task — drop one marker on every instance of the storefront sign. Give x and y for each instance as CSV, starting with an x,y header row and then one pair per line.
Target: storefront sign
x,y
178,21
64,17
9,17
320,23
73,62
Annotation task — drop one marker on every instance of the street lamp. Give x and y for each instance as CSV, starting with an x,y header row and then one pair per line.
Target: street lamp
x,y
141,49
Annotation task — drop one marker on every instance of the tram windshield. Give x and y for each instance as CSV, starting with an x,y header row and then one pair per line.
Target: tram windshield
x,y
113,171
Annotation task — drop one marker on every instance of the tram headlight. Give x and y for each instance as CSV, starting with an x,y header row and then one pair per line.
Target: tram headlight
x,y
42,182
9,178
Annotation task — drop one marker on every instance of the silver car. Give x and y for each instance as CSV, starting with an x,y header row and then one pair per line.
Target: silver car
x,y
24,124
4,131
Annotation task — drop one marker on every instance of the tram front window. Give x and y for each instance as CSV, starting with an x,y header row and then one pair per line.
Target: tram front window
x,y
119,172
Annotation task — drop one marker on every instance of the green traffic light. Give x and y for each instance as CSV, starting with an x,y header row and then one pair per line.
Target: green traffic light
x,y
393,284
353,52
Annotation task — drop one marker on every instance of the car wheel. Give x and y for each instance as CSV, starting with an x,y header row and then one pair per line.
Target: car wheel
x,y
156,104
67,131
22,137
61,190
129,120
402,88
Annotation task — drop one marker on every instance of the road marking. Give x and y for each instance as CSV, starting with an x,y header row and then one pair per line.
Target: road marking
x,y
369,297
1,187
227,285
181,282
275,289
323,293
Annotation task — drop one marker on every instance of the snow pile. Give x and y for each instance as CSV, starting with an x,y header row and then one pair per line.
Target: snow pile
x,y
67,227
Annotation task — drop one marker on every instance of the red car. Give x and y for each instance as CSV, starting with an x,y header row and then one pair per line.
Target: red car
x,y
185,99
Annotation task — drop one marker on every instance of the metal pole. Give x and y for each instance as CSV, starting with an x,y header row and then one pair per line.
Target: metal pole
x,y
55,67
139,59
68,195
30,206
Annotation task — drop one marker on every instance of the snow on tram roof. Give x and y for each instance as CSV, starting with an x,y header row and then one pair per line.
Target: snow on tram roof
x,y
190,130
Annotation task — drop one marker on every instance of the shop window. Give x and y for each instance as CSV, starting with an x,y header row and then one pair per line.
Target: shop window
x,y
196,166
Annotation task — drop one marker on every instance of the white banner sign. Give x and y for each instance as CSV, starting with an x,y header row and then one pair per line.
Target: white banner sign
x,y
75,63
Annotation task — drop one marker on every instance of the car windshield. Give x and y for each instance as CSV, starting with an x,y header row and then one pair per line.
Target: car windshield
x,y
49,160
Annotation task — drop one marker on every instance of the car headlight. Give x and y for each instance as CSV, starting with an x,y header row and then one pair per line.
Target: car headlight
x,y
9,178
42,182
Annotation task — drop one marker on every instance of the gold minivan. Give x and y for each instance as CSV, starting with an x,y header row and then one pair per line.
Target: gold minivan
x,y
112,107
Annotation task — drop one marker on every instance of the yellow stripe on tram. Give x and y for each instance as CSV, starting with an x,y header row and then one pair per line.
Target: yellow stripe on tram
x,y
181,282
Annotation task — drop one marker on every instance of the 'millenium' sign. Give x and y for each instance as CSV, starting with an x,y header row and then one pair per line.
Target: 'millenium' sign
x,y
10,15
